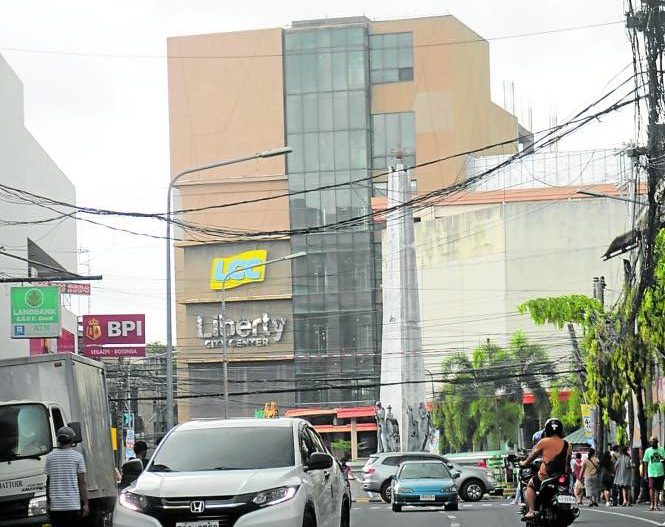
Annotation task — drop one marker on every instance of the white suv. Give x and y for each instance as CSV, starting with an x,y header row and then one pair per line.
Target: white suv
x,y
240,473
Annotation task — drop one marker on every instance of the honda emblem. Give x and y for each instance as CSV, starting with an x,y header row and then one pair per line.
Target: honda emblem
x,y
197,507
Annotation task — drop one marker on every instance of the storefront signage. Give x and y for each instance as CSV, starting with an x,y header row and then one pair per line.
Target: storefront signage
x,y
69,288
35,312
114,335
237,270
261,331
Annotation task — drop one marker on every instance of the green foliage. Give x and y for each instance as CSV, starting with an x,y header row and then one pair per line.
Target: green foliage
x,y
480,405
570,411
559,311
341,445
651,318
155,347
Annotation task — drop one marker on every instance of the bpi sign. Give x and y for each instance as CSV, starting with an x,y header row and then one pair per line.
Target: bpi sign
x,y
114,336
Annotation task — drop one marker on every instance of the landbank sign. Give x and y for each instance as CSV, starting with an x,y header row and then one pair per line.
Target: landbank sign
x,y
237,270
260,331
35,312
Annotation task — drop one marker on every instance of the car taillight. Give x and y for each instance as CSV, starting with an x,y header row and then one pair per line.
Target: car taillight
x,y
369,470
563,480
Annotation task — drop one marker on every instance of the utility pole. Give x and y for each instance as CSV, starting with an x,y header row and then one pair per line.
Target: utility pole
x,y
646,25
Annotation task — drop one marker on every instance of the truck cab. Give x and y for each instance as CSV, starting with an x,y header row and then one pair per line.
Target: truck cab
x,y
27,435
38,395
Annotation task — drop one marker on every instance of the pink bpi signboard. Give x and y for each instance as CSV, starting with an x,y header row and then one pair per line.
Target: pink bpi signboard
x,y
113,336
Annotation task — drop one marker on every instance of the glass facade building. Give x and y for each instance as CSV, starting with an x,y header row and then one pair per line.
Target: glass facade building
x,y
335,289
345,94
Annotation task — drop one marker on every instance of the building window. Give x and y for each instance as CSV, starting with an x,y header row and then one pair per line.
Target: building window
x,y
391,57
392,132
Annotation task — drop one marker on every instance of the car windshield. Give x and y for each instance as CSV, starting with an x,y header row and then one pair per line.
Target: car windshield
x,y
24,431
424,471
225,448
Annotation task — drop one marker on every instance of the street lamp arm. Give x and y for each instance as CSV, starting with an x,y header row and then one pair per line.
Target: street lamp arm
x,y
225,358
169,332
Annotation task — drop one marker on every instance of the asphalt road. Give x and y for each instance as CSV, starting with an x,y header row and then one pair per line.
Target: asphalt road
x,y
493,514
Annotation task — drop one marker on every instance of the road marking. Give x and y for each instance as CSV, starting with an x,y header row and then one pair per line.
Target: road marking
x,y
454,525
486,504
652,522
452,517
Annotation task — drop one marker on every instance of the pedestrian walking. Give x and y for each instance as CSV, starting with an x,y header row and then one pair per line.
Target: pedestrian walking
x,y
623,475
607,477
654,456
66,488
590,470
614,454
578,485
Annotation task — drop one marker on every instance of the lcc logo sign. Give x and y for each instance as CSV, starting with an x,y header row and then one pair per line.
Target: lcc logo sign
x,y
237,270
114,335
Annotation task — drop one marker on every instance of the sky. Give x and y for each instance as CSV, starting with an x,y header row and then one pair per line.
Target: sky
x,y
94,76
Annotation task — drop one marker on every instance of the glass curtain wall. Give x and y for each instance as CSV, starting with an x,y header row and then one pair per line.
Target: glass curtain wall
x,y
328,127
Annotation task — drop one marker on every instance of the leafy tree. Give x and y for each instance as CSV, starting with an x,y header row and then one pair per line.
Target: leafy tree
x,y
569,411
155,347
480,405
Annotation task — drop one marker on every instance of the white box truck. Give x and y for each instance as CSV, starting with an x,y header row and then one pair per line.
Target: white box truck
x,y
38,395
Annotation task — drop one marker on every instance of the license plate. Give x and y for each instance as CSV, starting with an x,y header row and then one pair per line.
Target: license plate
x,y
565,499
198,523
427,497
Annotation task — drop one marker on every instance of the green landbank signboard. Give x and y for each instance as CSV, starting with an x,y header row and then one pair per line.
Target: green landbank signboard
x,y
35,312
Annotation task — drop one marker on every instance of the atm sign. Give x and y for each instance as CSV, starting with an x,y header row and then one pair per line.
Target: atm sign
x,y
237,270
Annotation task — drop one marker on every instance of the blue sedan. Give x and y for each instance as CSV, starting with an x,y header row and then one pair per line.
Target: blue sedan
x,y
423,484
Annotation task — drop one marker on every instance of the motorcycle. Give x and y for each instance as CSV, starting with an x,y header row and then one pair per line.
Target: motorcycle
x,y
555,505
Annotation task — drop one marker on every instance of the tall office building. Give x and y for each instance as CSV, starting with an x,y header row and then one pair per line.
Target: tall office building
x,y
346,95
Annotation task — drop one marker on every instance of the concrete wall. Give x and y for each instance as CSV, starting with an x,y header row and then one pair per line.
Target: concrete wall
x,y
194,297
477,263
450,95
26,166
225,101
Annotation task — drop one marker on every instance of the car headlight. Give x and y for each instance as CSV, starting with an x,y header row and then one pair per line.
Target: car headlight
x,y
274,496
404,490
453,488
37,506
135,502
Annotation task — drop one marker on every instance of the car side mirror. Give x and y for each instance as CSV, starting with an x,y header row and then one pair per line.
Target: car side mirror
x,y
319,461
131,470
455,474
76,426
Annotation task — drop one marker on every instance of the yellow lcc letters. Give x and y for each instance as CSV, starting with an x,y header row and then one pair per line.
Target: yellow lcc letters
x,y
237,270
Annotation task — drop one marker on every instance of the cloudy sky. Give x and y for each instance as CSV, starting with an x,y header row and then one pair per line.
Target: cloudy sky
x,y
94,75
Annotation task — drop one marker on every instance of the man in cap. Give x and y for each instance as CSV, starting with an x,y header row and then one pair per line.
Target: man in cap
x,y
66,488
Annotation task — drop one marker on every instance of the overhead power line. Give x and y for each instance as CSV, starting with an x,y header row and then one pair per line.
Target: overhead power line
x,y
268,55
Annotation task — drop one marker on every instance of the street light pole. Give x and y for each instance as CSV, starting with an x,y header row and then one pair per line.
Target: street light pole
x,y
169,329
226,276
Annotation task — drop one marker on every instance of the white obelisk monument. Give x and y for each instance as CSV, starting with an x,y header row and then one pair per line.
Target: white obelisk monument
x,y
402,361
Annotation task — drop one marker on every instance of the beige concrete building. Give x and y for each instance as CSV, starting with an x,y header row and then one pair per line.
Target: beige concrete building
x,y
344,94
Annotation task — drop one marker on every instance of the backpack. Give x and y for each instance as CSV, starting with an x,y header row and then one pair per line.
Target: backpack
x,y
559,463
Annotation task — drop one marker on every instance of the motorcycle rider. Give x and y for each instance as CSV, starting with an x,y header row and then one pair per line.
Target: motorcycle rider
x,y
555,454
